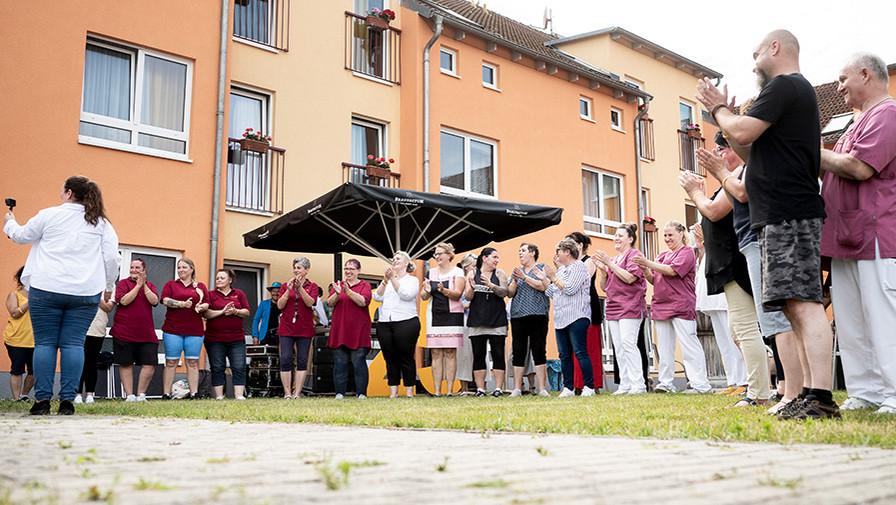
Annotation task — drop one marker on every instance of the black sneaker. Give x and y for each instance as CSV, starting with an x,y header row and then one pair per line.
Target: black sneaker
x,y
497,393
480,392
794,407
40,408
814,409
166,396
66,408
23,398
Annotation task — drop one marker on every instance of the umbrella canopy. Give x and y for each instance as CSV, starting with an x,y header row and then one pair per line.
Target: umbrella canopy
x,y
365,219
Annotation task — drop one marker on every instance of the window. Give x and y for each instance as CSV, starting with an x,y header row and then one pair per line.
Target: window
x,y
262,21
448,61
371,52
602,199
250,280
467,164
368,138
616,118
135,99
686,114
249,179
161,267
585,108
490,76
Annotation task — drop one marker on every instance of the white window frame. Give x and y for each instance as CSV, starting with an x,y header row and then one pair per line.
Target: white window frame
x,y
267,101
380,127
689,105
616,125
136,105
448,71
589,103
494,69
127,252
466,191
602,197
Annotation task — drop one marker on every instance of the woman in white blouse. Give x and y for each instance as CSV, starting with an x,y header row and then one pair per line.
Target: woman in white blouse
x,y
398,326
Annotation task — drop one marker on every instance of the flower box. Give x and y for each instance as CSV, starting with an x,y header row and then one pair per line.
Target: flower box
x,y
256,146
694,134
649,227
376,22
382,173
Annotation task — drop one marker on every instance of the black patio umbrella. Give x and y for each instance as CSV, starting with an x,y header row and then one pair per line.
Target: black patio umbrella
x,y
366,219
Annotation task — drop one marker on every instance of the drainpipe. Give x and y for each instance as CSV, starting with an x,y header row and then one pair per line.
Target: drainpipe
x,y
638,170
435,36
219,140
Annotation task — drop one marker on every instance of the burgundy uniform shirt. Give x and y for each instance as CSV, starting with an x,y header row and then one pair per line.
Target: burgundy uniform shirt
x,y
303,326
184,321
133,322
226,328
675,295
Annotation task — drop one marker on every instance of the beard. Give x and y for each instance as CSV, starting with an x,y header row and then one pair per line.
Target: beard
x,y
761,79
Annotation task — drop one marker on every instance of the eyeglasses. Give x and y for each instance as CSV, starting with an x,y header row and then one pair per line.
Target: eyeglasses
x,y
437,254
719,149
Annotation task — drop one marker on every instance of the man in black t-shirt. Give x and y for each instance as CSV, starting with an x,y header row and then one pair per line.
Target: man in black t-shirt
x,y
780,137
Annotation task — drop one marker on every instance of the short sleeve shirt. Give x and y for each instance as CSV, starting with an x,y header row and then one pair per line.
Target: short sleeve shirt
x,y
133,322
626,301
529,301
226,328
297,319
184,321
350,324
782,182
675,295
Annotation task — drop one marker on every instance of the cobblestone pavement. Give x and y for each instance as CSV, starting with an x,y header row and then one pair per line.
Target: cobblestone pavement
x,y
177,461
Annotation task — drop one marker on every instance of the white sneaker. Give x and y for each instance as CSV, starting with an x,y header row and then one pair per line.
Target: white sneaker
x,y
340,396
516,392
240,397
566,393
78,399
620,392
362,397
131,398
637,391
219,398
586,391
886,409
857,404
544,392
141,397
88,399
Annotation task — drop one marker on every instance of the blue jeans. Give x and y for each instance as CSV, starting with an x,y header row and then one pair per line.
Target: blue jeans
x,y
574,340
59,322
219,353
358,357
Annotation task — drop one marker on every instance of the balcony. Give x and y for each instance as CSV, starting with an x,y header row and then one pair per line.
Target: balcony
x,y
688,144
371,51
645,139
650,247
369,175
264,22
255,180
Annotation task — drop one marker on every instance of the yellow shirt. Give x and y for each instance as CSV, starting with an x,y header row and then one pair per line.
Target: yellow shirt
x,y
18,332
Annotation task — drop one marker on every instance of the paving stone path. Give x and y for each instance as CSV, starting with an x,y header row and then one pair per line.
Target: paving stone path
x,y
181,461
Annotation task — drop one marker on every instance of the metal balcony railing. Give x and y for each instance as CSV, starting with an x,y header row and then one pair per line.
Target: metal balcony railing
x,y
645,139
255,180
369,175
264,22
688,144
372,51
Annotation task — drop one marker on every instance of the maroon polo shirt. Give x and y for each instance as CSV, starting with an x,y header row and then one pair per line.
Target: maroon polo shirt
x,y
184,321
225,328
304,319
133,322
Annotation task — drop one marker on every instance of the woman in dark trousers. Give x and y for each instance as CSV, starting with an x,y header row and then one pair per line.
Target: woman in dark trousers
x,y
93,345
486,288
398,327
224,337
350,329
297,297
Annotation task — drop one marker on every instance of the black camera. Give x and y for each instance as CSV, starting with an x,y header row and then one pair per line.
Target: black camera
x,y
10,202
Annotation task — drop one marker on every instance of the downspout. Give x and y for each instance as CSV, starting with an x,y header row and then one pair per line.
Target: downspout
x,y
219,140
435,36
641,209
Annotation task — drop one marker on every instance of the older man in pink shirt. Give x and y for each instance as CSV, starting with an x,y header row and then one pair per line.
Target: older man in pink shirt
x,y
859,191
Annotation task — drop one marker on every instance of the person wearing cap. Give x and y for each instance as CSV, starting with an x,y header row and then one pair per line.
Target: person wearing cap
x,y
267,318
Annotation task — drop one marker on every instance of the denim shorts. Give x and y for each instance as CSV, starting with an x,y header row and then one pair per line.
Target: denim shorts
x,y
175,344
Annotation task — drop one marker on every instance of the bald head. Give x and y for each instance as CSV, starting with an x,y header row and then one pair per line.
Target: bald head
x,y
785,40
778,53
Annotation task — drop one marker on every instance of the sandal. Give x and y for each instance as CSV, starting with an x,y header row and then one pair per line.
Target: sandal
x,y
745,402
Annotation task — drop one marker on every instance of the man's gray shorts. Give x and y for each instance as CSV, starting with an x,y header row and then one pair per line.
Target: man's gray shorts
x,y
791,262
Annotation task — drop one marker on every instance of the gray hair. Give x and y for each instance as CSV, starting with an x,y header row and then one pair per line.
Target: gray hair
x,y
570,245
301,260
875,64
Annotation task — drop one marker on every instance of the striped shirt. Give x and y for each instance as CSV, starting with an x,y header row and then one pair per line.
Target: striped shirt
x,y
529,301
573,302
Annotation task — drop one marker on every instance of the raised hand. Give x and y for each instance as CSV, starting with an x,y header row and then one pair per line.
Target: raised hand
x,y
691,183
709,95
189,303
713,163
518,273
550,272
337,287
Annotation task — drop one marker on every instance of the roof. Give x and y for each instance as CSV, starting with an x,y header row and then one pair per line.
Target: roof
x,y
645,46
464,15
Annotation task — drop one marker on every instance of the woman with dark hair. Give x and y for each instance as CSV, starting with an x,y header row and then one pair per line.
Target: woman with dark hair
x,y
674,309
224,337
486,288
297,297
398,326
529,309
186,299
74,259
350,329
623,282
444,317
19,340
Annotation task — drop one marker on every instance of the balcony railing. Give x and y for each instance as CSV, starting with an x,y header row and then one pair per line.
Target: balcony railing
x,y
264,22
369,175
255,180
688,146
651,242
372,51
645,139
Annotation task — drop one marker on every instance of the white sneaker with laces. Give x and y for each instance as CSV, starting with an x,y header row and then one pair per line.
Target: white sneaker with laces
x,y
586,391
544,392
886,409
362,397
78,399
619,392
857,404
516,392
142,397
566,393
88,399
340,396
637,391
131,398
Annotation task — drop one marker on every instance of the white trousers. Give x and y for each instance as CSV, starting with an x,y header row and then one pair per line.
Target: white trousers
x,y
624,333
691,352
864,297
735,369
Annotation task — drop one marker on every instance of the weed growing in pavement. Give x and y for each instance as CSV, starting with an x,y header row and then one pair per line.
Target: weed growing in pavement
x,y
144,485
333,477
441,467
542,451
791,484
64,445
218,460
150,459
85,459
94,493
490,483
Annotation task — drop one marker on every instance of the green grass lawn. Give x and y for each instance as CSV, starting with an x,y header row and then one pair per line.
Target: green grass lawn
x,y
662,416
